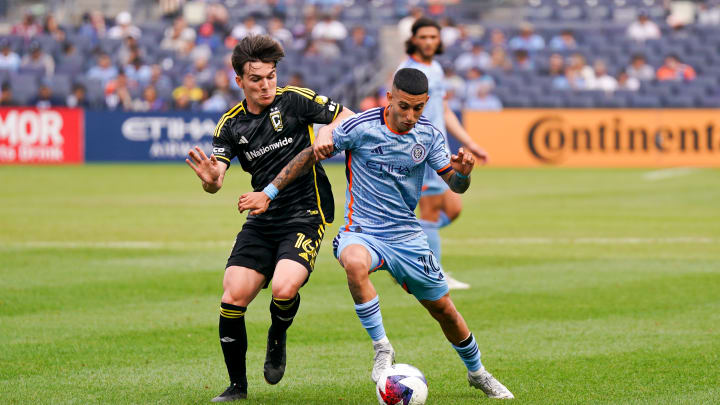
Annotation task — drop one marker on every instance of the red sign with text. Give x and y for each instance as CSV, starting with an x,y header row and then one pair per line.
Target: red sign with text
x,y
41,135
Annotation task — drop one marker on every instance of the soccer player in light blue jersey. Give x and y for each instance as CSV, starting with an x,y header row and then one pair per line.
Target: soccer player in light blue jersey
x,y
438,204
387,150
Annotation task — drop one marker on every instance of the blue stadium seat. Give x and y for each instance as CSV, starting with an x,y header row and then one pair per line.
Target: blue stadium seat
x,y
24,87
61,85
679,101
645,101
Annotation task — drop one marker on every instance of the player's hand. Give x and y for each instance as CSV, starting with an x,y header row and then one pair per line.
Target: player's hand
x,y
256,201
207,169
479,153
323,146
463,162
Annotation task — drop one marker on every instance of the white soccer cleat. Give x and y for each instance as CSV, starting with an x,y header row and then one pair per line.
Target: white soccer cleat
x,y
489,385
384,358
455,284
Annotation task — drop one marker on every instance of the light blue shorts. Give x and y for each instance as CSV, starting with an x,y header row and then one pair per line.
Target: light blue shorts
x,y
411,262
433,184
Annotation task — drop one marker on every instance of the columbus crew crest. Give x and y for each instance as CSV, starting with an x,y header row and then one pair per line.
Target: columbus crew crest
x,y
276,119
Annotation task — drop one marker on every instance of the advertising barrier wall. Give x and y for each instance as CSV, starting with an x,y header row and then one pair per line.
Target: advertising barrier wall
x,y
31,135
598,138
167,136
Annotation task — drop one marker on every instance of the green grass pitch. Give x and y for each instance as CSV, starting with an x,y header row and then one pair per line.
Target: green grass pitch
x,y
589,286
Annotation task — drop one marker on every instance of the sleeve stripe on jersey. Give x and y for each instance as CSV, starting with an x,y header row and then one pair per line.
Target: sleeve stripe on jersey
x,y
358,122
425,121
337,111
223,158
307,93
444,170
233,112
350,121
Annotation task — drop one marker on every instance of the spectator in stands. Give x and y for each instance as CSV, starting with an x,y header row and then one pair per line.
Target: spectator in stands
x,y
523,61
476,78
44,98
449,33
564,42
124,27
708,14
218,16
579,66
527,40
643,29
78,97
51,28
215,103
70,61
223,86
149,101
405,24
117,93
464,41
175,35
183,102
6,96
303,31
186,45
572,80
477,57
189,89
37,59
129,50
138,72
206,36
499,59
329,29
556,66
160,81
322,50
482,100
277,30
93,27
248,27
454,82
497,39
28,28
455,101
602,80
674,69
360,39
627,82
9,60
639,69
202,71
104,70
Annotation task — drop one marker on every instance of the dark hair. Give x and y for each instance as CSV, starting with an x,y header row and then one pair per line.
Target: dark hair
x,y
256,48
422,22
411,81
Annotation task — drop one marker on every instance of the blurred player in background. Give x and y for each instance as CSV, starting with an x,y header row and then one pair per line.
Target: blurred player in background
x,y
438,204
387,151
265,131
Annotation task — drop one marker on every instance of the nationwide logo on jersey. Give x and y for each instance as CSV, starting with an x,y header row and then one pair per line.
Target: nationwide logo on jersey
x,y
276,119
377,151
418,153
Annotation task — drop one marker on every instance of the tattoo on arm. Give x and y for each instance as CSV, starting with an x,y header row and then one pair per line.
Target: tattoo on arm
x,y
457,184
298,166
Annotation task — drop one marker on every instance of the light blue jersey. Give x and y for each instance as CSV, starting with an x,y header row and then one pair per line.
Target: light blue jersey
x,y
435,112
434,109
385,173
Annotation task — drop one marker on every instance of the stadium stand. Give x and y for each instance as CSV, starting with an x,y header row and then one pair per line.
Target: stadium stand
x,y
547,60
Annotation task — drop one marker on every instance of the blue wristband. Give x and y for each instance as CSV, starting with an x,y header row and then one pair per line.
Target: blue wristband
x,y
271,191
460,176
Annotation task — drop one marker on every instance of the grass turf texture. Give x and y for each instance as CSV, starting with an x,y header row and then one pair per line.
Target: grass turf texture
x,y
589,286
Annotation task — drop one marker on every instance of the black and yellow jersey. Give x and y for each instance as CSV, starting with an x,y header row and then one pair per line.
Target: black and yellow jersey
x,y
264,143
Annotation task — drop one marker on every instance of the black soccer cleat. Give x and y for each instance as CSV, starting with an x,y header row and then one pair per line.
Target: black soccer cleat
x,y
275,359
233,393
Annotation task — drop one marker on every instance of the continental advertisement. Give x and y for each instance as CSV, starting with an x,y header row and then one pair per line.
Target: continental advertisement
x,y
598,138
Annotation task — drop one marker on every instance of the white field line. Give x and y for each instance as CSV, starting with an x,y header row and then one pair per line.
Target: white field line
x,y
663,174
466,241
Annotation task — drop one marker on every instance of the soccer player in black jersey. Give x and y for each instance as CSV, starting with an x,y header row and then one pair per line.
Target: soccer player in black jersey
x,y
265,131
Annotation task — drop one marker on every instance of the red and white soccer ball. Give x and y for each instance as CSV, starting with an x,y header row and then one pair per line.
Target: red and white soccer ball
x,y
402,384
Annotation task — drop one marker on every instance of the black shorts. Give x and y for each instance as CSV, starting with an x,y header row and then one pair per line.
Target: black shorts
x,y
260,247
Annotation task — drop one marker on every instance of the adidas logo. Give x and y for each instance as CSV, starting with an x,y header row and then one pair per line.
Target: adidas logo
x,y
227,339
242,141
377,151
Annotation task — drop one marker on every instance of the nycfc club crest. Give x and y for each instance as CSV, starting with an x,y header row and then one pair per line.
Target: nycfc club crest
x,y
276,119
418,153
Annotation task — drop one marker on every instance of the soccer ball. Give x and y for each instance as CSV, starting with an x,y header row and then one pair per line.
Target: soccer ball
x,y
402,384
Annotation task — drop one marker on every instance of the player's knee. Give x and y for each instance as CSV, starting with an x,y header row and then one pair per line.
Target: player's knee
x,y
284,292
356,261
234,298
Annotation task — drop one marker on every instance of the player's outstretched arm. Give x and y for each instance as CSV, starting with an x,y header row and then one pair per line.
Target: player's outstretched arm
x,y
459,178
259,201
209,170
455,128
